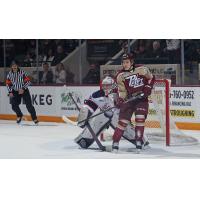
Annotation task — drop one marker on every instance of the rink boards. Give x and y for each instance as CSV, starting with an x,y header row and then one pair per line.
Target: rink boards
x,y
51,102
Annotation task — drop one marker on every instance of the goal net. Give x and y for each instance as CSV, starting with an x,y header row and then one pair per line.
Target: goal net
x,y
159,125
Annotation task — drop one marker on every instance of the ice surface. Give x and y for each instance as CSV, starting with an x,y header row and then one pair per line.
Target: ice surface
x,y
54,140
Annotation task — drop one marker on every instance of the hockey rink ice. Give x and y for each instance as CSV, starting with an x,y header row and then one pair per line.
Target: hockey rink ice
x,y
55,140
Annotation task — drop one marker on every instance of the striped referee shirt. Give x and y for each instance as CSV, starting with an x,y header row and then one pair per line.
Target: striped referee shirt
x,y
17,80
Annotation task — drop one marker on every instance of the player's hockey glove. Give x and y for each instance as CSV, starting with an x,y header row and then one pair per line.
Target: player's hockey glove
x,y
136,98
147,91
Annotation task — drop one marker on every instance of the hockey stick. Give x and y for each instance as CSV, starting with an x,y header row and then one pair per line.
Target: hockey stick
x,y
129,100
75,123
101,147
69,121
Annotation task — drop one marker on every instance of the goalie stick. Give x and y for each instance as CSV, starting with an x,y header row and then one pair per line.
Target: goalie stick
x,y
67,120
129,100
101,147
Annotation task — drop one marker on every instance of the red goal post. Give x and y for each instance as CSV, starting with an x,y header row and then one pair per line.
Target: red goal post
x,y
166,85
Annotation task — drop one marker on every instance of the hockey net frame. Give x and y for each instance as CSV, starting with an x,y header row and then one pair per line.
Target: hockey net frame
x,y
172,135
161,127
166,127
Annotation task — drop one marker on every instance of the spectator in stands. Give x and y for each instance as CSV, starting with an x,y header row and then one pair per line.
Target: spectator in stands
x,y
192,50
140,53
70,45
49,57
138,43
144,43
28,61
32,48
93,75
46,76
34,76
59,42
46,45
69,76
60,73
172,45
59,56
196,56
172,50
156,51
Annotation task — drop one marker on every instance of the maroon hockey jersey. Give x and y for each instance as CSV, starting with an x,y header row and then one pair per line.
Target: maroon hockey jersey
x,y
133,81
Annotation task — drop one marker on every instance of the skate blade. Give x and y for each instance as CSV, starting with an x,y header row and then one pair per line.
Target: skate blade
x,y
108,148
146,147
138,151
116,151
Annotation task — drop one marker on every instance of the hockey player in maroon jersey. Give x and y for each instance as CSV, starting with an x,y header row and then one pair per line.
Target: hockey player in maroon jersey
x,y
136,82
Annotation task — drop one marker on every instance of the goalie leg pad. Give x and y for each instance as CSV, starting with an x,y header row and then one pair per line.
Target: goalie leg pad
x,y
83,115
98,124
130,132
84,142
115,117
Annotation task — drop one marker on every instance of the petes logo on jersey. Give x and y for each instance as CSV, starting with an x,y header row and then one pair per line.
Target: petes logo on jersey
x,y
135,81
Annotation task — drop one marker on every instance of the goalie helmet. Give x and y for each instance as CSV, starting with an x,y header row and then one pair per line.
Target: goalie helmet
x,y
108,84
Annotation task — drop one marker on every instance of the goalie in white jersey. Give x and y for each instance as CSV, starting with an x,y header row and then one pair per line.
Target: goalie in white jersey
x,y
99,101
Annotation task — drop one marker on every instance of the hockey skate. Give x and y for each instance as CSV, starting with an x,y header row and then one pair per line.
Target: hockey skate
x,y
115,147
144,143
36,122
139,146
20,119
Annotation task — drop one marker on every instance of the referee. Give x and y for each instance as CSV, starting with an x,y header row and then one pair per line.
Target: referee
x,y
17,83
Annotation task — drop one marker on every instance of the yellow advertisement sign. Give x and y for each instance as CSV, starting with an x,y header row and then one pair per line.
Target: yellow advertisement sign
x,y
183,113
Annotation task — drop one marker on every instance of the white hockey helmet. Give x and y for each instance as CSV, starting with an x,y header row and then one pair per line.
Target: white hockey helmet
x,y
108,84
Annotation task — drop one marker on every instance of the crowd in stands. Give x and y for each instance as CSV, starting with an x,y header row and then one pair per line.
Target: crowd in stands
x,y
145,52
157,51
52,51
93,75
165,51
192,50
61,75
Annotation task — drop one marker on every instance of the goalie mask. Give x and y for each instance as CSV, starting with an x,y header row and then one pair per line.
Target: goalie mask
x,y
108,84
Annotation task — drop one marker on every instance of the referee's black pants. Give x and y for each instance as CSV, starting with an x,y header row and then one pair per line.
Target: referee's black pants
x,y
16,101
